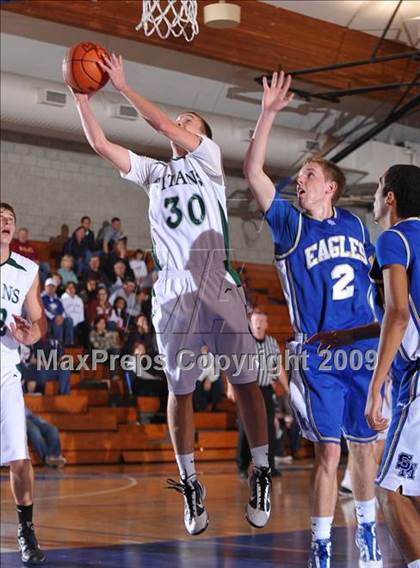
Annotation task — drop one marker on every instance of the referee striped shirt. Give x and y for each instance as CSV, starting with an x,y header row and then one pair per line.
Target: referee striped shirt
x,y
268,353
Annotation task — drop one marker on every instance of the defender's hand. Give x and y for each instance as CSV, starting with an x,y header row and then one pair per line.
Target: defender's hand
x,y
276,95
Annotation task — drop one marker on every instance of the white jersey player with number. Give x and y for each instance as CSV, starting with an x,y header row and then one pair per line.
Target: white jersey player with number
x,y
19,293
198,300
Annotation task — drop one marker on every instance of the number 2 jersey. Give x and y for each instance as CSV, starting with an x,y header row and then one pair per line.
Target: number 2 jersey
x,y
323,267
187,207
17,275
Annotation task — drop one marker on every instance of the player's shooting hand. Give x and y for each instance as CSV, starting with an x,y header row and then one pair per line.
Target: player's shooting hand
x,y
79,97
373,411
276,95
113,65
332,339
21,330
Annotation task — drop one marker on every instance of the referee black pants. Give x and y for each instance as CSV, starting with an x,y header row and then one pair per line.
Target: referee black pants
x,y
243,455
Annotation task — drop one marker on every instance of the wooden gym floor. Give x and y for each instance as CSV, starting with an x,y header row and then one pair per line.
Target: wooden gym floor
x,y
124,517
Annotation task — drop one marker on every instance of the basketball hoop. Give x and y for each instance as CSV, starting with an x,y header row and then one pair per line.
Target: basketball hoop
x,y
169,17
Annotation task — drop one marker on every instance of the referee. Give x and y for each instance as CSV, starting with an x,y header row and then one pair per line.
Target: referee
x,y
269,370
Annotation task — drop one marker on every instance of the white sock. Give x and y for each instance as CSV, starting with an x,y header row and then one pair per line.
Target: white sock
x,y
186,464
414,564
260,456
346,481
321,527
365,511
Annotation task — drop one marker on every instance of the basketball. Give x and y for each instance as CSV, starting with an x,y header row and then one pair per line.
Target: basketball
x,y
81,70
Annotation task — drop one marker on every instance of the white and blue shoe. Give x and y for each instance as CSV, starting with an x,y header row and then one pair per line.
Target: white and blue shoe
x,y
320,553
366,541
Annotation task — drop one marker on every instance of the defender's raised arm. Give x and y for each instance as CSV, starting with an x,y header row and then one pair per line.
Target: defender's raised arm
x,y
276,96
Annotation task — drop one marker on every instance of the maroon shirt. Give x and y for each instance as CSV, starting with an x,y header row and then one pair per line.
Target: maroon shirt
x,y
25,249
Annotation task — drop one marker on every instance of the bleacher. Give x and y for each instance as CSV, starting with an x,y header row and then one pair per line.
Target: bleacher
x,y
93,429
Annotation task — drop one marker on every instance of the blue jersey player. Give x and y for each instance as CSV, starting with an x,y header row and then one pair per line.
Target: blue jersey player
x,y
322,254
397,209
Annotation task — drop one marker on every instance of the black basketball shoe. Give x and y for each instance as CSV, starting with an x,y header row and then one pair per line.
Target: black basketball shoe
x,y
31,553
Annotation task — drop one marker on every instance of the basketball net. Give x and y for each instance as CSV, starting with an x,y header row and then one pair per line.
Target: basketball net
x,y
169,17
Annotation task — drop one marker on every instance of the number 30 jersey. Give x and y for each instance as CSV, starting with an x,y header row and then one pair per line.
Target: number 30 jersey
x,y
187,207
323,267
17,276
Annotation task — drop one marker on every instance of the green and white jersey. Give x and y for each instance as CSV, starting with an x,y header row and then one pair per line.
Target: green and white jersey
x,y
187,208
17,275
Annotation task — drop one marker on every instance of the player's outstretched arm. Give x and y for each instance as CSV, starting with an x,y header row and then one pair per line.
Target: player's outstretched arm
x,y
151,113
117,155
276,96
393,327
29,332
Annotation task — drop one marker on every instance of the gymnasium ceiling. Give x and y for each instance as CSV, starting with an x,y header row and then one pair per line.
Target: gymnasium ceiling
x,y
216,72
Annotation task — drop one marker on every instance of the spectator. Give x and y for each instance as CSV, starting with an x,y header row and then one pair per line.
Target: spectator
x,y
210,387
126,292
101,338
118,278
74,308
112,234
58,281
23,246
100,306
76,247
94,271
66,270
141,334
143,304
44,439
50,350
119,314
89,292
144,380
119,254
59,326
138,266
89,238
56,244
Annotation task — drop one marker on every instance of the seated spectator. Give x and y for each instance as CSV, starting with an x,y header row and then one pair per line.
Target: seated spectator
x,y
56,244
126,292
58,281
89,238
209,390
138,266
66,270
44,438
48,352
60,327
141,334
94,271
89,292
76,247
74,308
119,254
143,305
100,306
112,234
118,278
144,379
119,314
23,246
101,338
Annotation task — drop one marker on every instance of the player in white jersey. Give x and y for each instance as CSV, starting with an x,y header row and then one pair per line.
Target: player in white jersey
x,y
19,291
197,299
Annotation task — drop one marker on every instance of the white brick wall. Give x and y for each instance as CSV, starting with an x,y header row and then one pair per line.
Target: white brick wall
x,y
49,186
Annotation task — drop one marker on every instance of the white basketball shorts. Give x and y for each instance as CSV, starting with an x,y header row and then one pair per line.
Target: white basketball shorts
x,y
193,309
14,445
